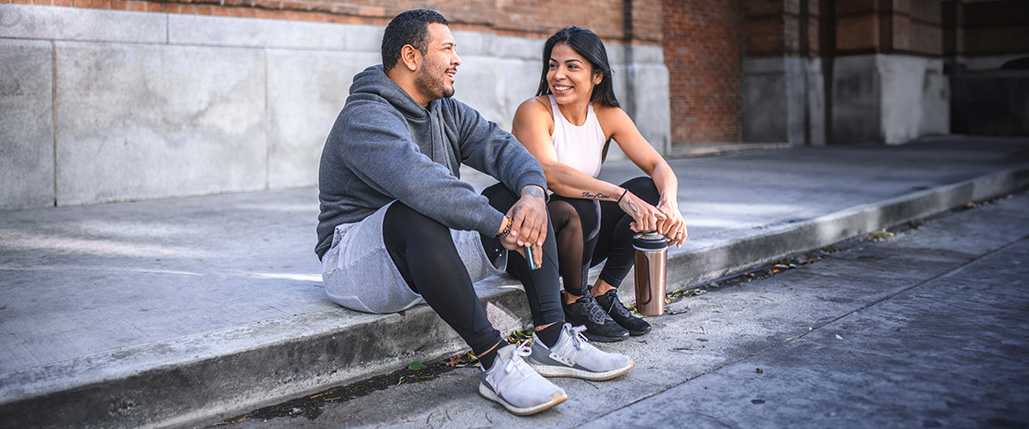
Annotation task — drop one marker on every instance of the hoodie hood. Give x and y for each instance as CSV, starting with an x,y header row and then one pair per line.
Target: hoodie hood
x,y
372,84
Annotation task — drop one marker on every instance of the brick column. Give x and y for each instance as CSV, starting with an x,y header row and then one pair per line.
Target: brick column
x,y
782,73
888,83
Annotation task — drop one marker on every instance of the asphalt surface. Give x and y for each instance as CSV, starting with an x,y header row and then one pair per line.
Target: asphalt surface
x,y
177,311
927,328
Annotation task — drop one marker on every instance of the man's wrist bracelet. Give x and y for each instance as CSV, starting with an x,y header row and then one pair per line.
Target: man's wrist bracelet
x,y
507,228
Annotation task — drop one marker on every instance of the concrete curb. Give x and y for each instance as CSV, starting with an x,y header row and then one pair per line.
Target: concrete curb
x,y
707,264
220,374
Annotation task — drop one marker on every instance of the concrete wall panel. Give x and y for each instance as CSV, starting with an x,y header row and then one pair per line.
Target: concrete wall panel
x,y
889,98
26,124
364,38
521,78
301,111
152,105
815,102
256,33
782,97
915,98
857,110
651,110
143,121
479,84
764,106
62,23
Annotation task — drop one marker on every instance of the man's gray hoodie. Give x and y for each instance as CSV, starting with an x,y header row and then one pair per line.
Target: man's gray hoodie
x,y
385,146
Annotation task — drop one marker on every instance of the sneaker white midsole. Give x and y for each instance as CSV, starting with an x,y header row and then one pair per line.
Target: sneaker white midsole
x,y
564,371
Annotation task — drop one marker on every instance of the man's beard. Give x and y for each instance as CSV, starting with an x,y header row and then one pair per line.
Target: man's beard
x,y
433,85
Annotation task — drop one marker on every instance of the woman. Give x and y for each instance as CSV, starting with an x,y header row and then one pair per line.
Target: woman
x,y
568,127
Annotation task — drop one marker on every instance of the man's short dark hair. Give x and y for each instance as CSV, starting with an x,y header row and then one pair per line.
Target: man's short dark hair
x,y
408,28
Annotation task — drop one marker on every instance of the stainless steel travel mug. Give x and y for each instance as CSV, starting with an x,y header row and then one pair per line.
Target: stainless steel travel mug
x,y
650,258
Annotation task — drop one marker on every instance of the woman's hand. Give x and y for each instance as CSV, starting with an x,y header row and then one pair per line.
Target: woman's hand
x,y
674,226
646,218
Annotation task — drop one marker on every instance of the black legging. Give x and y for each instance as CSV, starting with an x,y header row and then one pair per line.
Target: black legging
x,y
599,230
425,254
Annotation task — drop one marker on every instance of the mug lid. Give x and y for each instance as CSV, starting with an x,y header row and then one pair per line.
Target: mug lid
x,y
649,241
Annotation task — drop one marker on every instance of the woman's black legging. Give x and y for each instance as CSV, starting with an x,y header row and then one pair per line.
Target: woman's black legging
x,y
424,252
590,231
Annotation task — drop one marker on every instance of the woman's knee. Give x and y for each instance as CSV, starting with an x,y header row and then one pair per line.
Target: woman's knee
x,y
500,197
644,188
562,215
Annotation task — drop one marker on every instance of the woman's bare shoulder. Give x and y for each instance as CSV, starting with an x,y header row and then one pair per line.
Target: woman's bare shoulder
x,y
609,112
534,109
536,105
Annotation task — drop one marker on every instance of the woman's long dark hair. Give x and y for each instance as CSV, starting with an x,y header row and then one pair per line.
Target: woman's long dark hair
x,y
589,46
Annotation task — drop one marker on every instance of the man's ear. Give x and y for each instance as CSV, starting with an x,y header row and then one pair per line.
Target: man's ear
x,y
411,57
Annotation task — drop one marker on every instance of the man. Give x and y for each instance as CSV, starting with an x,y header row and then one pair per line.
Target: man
x,y
398,226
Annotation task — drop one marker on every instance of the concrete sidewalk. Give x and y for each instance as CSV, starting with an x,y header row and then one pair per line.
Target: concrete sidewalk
x,y
926,328
167,312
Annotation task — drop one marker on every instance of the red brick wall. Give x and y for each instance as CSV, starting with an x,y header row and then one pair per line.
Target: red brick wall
x,y
702,48
912,27
533,18
781,27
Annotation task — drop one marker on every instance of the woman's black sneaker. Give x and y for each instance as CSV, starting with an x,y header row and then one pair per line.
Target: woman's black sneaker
x,y
613,307
599,325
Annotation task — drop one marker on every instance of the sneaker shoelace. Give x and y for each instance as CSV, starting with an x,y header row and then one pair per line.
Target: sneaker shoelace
x,y
516,364
617,307
570,351
596,312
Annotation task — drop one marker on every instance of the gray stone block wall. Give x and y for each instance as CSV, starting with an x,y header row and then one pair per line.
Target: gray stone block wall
x,y
26,124
783,97
889,98
100,106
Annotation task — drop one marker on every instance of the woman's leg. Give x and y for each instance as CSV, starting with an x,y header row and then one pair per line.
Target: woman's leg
x,y
576,225
419,247
615,244
542,286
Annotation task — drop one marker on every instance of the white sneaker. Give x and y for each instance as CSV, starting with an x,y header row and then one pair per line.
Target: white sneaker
x,y
515,385
574,356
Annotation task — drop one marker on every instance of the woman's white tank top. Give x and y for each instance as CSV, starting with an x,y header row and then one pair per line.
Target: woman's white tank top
x,y
580,147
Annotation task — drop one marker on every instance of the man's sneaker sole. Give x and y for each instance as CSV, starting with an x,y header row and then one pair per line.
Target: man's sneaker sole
x,y
488,393
564,371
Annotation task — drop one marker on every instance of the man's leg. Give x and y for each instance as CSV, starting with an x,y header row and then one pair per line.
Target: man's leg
x,y
424,253
558,349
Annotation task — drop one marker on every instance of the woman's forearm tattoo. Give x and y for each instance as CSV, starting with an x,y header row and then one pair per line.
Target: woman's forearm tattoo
x,y
596,196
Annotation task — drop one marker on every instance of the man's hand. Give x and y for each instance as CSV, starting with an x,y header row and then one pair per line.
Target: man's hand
x,y
529,223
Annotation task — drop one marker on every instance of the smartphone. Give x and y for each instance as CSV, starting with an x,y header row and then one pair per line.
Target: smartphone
x,y
529,259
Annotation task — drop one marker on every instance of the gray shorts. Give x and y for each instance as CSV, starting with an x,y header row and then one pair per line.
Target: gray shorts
x,y
359,274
